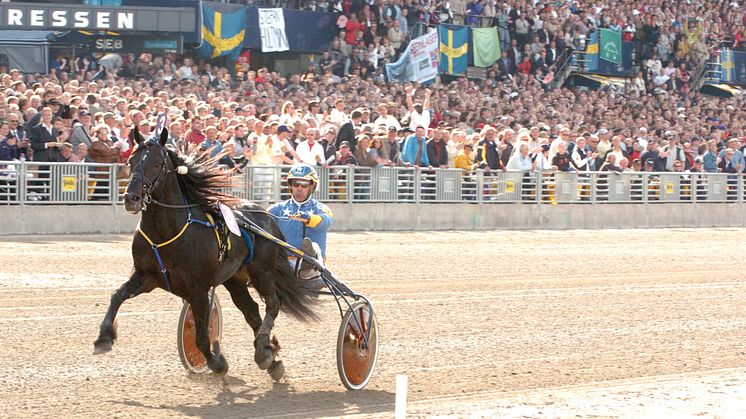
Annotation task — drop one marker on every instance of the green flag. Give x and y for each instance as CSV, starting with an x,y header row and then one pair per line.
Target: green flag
x,y
486,46
611,46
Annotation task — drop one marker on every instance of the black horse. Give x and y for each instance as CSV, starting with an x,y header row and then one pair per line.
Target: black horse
x,y
176,190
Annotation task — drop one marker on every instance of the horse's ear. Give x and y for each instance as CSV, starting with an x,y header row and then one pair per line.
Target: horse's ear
x,y
164,137
136,136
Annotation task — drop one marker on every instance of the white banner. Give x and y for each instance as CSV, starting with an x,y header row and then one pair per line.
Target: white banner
x,y
272,30
419,62
424,54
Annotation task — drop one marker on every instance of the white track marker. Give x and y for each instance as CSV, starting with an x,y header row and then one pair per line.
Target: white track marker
x,y
400,409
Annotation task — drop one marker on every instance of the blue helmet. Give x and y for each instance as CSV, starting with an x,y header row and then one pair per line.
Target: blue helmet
x,y
303,171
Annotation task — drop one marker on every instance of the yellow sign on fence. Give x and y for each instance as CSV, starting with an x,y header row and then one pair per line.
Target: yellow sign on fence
x,y
669,187
509,186
69,183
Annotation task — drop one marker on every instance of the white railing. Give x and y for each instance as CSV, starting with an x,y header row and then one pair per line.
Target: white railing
x,y
75,183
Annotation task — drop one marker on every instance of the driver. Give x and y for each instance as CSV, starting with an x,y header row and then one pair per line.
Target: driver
x,y
304,220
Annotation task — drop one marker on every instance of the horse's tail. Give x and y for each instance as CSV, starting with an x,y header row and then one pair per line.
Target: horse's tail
x,y
296,297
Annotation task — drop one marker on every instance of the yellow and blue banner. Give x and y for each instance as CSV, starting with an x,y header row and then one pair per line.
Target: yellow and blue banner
x,y
454,49
591,53
733,66
222,33
728,66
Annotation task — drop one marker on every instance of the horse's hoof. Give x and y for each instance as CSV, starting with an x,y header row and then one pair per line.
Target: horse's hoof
x,y
220,366
102,346
263,358
263,355
276,370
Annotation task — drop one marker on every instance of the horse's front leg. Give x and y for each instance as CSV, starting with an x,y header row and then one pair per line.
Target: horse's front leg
x,y
265,347
201,311
136,285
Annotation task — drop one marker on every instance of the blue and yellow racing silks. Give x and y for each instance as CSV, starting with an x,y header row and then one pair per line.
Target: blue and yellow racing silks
x,y
319,217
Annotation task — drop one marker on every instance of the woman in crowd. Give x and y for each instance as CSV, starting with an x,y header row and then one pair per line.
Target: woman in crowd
x,y
376,152
521,161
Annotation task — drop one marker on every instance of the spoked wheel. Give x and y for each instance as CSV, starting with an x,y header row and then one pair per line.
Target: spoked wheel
x,y
191,356
355,361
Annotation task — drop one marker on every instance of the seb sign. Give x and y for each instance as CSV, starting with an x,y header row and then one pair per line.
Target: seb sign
x,y
138,44
68,16
108,44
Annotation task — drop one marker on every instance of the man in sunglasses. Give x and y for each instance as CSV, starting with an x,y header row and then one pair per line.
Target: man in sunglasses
x,y
304,220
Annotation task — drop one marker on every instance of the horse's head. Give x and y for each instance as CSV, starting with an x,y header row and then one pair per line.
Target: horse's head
x,y
149,165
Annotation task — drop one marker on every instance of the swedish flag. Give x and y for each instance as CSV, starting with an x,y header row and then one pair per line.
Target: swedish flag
x,y
454,49
222,33
727,65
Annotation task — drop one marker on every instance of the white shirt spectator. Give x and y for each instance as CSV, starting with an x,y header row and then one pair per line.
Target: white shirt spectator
x,y
310,154
185,72
288,119
416,119
389,121
654,66
338,117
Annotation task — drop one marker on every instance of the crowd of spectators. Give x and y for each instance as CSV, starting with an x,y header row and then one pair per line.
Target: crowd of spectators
x,y
670,38
340,111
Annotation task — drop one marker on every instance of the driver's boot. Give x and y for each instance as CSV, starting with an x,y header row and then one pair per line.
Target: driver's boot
x,y
307,271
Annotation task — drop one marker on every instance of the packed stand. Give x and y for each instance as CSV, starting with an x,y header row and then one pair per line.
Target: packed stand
x,y
341,111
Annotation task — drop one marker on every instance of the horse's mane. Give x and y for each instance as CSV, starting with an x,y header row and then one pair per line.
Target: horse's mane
x,y
205,180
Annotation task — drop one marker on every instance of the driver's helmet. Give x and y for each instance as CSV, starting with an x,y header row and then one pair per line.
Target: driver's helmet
x,y
305,172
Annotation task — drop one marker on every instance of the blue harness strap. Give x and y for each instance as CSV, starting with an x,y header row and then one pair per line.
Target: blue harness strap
x,y
249,245
164,272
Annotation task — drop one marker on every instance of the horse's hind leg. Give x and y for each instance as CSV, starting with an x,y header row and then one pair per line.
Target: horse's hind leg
x,y
200,309
238,288
136,285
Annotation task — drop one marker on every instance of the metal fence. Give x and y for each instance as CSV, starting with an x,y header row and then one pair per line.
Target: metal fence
x,y
72,183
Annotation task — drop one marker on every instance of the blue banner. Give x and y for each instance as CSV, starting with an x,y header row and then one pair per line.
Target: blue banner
x,y
222,33
454,49
739,59
402,70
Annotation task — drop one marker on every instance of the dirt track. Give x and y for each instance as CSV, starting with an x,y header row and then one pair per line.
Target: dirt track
x,y
630,323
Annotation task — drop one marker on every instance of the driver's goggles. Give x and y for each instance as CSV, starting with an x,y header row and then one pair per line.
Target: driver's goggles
x,y
300,183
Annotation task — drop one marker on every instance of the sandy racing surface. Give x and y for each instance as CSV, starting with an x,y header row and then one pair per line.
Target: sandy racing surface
x,y
512,324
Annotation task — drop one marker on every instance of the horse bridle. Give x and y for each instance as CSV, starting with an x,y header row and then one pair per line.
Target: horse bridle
x,y
148,186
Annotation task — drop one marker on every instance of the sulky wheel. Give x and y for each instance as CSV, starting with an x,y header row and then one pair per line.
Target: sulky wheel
x,y
355,362
190,355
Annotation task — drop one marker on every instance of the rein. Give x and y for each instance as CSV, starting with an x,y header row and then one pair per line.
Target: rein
x,y
162,204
